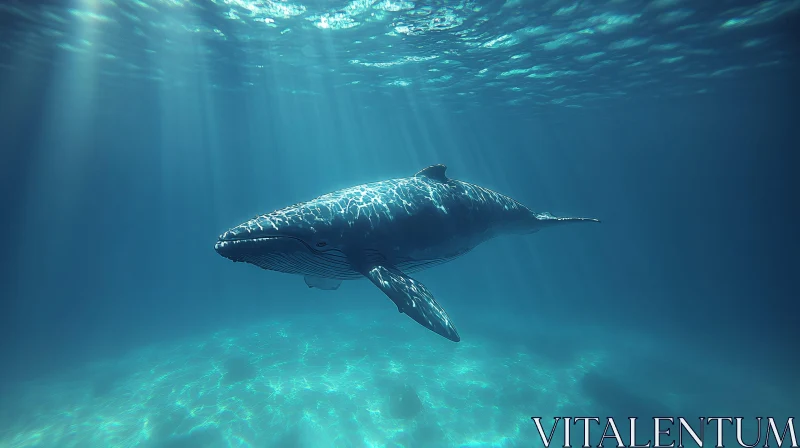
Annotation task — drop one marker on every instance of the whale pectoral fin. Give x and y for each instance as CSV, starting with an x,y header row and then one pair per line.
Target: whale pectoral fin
x,y
413,299
328,284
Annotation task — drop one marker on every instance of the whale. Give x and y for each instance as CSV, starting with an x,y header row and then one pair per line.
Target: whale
x,y
384,231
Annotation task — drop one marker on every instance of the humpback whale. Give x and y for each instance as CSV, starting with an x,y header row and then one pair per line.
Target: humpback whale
x,y
384,231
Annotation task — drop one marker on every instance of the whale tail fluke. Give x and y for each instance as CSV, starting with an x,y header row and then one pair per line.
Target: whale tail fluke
x,y
547,220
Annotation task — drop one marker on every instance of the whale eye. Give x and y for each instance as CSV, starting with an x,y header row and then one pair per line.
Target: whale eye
x,y
322,244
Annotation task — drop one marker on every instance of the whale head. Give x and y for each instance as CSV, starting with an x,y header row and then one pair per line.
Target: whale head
x,y
292,240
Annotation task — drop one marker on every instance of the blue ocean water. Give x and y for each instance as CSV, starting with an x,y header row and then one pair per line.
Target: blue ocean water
x,y
133,133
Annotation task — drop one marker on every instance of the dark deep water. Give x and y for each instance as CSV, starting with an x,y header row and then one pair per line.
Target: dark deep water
x,y
133,135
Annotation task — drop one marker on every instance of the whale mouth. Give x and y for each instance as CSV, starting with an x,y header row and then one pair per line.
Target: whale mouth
x,y
242,247
247,238
246,233
244,241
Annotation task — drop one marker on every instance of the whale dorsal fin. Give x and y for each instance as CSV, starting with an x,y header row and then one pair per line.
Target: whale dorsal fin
x,y
435,172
